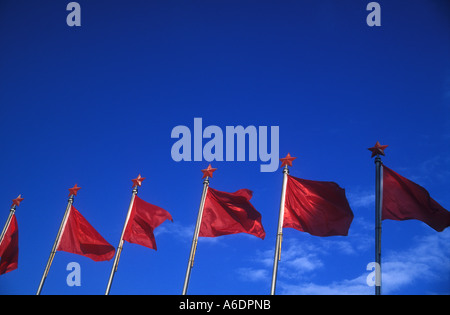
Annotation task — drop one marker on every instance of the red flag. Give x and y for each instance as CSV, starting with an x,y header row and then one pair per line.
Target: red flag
x,y
9,248
230,213
144,218
319,208
79,237
404,200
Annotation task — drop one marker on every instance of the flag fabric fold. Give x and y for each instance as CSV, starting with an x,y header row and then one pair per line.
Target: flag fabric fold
x,y
405,200
144,218
316,207
9,248
79,237
230,213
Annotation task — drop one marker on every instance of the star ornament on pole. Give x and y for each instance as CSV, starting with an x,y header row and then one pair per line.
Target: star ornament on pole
x,y
138,181
74,190
287,161
208,172
378,149
17,201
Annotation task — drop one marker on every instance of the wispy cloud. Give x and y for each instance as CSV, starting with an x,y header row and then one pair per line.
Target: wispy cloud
x,y
355,286
427,260
361,199
177,230
299,259
254,274
429,172
186,232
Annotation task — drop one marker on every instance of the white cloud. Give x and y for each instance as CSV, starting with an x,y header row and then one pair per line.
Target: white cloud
x,y
297,259
427,260
253,275
176,230
186,232
361,199
430,172
355,286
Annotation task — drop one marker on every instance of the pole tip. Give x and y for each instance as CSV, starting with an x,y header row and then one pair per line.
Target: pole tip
x,y
74,190
378,149
287,161
208,172
17,201
138,181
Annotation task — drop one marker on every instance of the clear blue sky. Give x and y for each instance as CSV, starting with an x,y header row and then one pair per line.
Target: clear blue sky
x,y
95,105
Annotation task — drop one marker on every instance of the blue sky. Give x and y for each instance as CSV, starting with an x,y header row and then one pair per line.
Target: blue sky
x,y
95,105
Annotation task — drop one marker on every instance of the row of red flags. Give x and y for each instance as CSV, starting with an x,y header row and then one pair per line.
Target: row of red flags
x,y
316,207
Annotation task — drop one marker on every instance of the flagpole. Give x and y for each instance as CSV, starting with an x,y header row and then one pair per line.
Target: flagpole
x,y
56,243
195,237
8,221
120,246
277,256
378,206
378,150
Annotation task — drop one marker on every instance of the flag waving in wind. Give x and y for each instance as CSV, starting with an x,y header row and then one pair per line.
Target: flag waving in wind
x,y
398,198
9,240
9,247
222,213
79,237
230,213
144,218
404,200
318,208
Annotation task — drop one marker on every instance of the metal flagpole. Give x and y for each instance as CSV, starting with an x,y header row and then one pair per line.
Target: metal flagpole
x,y
287,161
195,237
277,255
136,183
378,150
58,236
120,246
378,205
207,173
16,202
8,221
